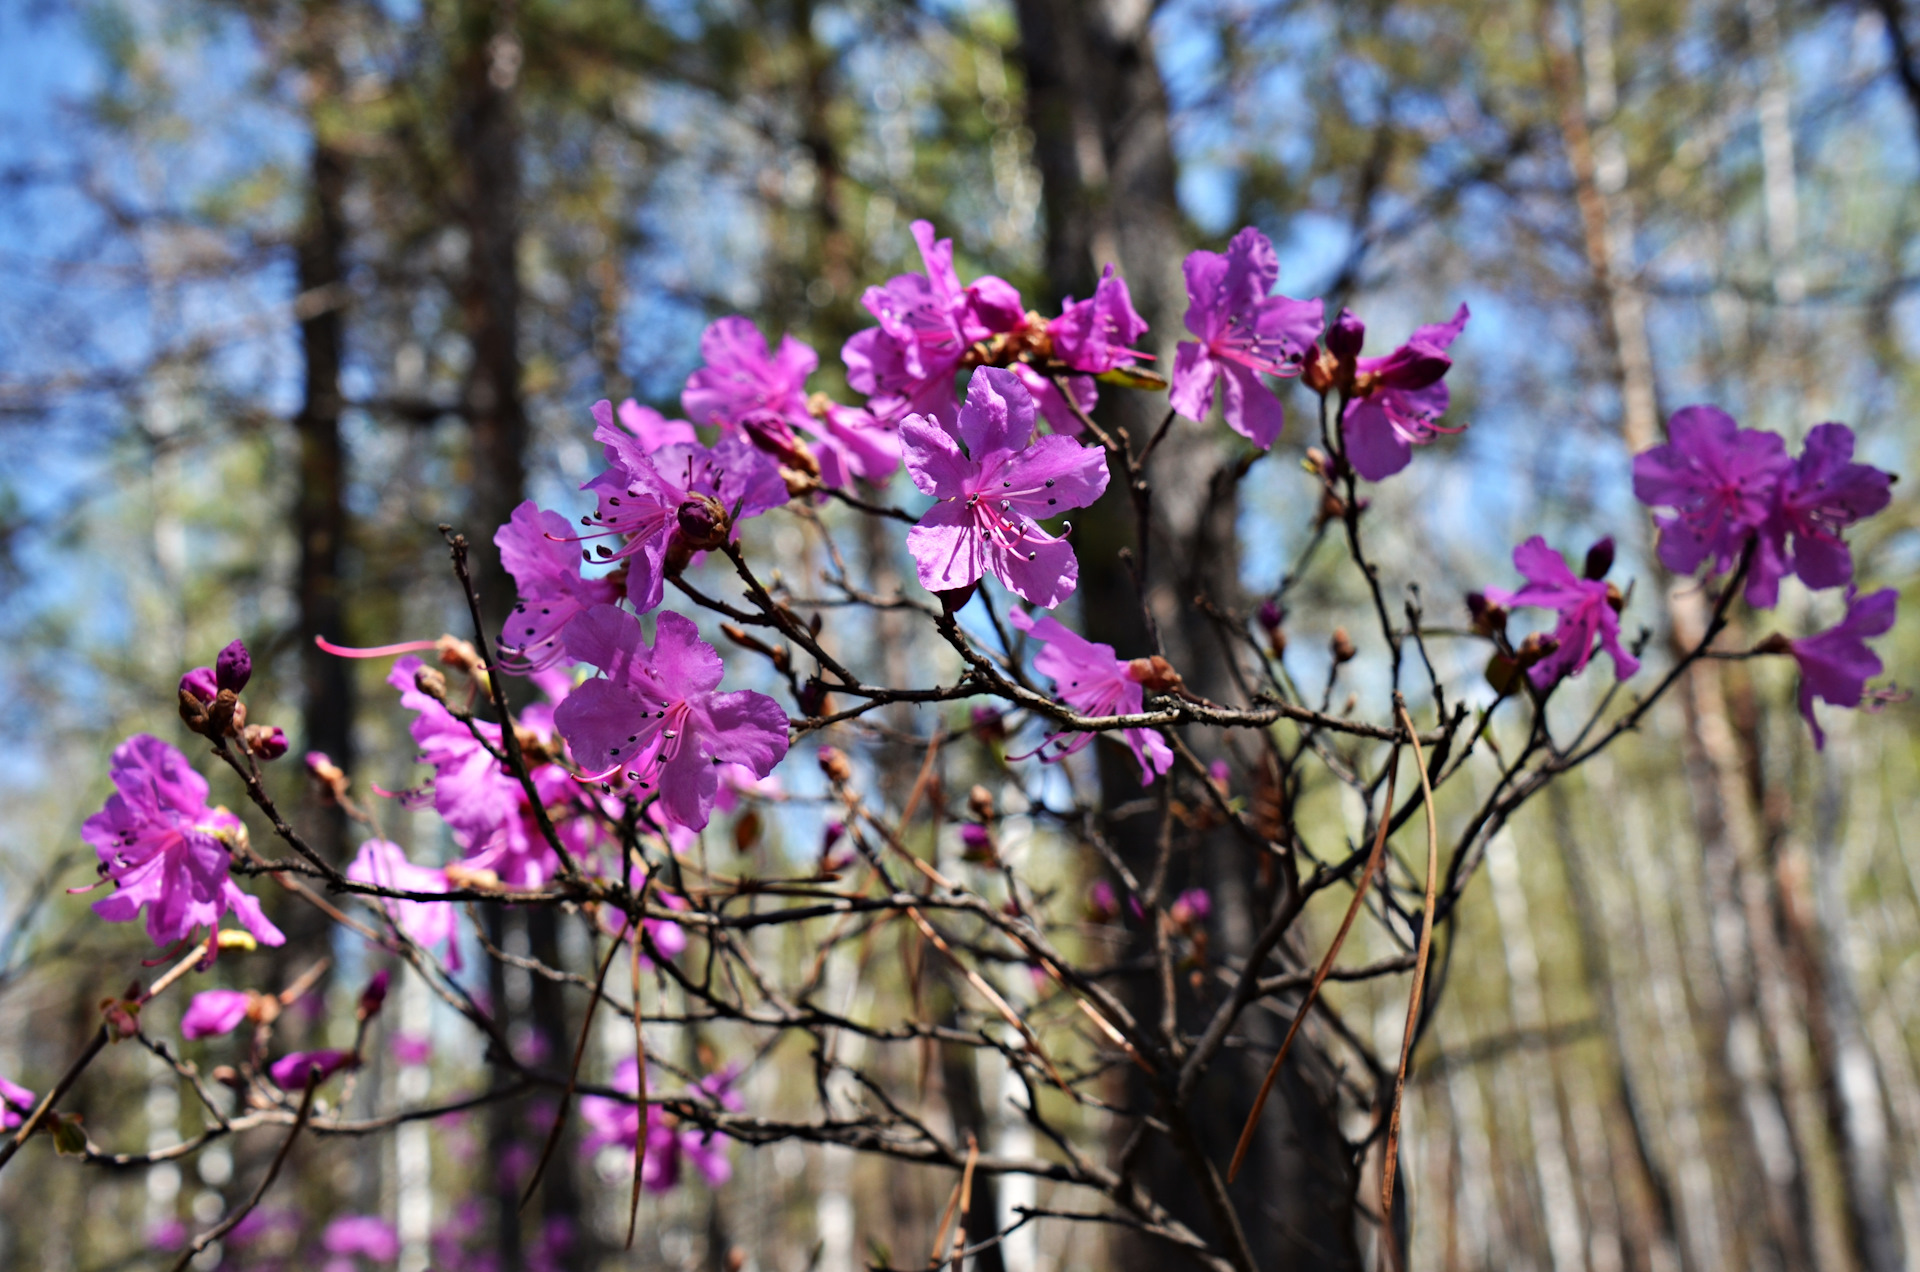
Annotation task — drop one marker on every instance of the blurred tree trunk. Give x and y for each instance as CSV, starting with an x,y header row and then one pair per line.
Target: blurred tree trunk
x,y
486,144
1102,141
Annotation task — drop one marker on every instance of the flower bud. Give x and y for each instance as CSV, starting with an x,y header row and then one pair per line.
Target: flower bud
x,y
834,763
1488,619
976,843
221,713
200,682
702,522
1599,559
193,712
1345,336
331,778
1342,646
813,697
987,723
234,667
374,996
1102,905
1270,616
980,803
268,741
1154,673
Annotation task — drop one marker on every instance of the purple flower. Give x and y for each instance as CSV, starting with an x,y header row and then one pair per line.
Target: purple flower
x,y
537,549
1720,480
678,491
214,1012
1096,335
365,1235
1191,907
1836,664
291,1071
1103,906
483,804
850,442
201,683
16,1102
381,864
907,364
1244,331
992,495
616,1123
652,428
741,379
653,712
1396,399
1586,608
1054,406
1821,495
165,849
1095,683
233,667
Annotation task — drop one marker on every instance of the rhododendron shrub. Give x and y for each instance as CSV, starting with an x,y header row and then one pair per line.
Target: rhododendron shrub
x,y
685,745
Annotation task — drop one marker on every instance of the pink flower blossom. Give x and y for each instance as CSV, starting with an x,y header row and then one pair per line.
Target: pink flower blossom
x,y
368,1236
16,1102
291,1071
165,849
654,713
1586,608
1721,481
1095,683
653,496
907,364
616,1123
1096,335
992,494
382,864
1396,399
1822,494
1244,331
412,1049
1836,664
537,549
653,429
1191,907
213,1012
483,804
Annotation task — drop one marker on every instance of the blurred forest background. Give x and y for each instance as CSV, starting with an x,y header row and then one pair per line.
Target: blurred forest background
x,y
283,285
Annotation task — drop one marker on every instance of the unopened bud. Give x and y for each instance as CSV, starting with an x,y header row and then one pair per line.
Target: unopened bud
x,y
1488,619
221,714
1270,615
1616,599
1342,646
976,843
702,522
1599,559
330,777
193,712
834,763
988,724
233,667
1154,673
980,803
200,682
1346,336
813,697
268,741
374,996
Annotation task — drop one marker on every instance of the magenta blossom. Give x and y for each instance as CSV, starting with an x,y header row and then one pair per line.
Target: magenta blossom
x,y
1244,332
1836,664
616,1123
1721,481
1586,608
1096,335
537,549
652,428
382,864
368,1236
992,495
1821,495
16,1102
1191,907
482,803
214,1012
1055,407
200,683
690,494
291,1071
1095,683
1396,399
907,364
654,713
166,850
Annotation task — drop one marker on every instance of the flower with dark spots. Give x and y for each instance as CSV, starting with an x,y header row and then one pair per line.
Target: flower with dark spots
x,y
1822,494
1586,608
992,494
1244,332
1836,664
537,549
1720,480
1396,400
654,712
165,849
1093,681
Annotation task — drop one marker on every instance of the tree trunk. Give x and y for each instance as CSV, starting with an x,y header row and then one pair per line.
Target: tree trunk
x,y
1098,111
